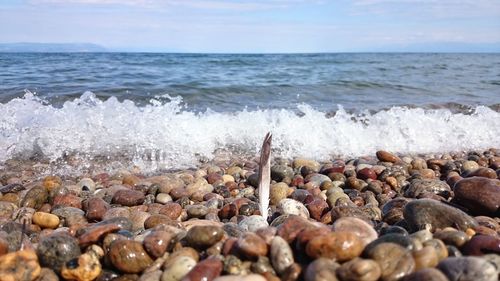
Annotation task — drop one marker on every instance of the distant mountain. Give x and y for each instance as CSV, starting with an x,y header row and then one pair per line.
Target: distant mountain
x,y
51,47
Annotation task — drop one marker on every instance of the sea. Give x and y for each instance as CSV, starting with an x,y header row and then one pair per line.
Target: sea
x,y
161,111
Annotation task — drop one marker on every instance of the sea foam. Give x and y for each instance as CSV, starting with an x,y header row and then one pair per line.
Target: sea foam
x,y
166,134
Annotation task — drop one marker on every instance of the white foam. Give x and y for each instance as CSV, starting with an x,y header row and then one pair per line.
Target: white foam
x,y
175,137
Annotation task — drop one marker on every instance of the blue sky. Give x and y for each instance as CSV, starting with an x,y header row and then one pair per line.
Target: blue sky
x,y
256,25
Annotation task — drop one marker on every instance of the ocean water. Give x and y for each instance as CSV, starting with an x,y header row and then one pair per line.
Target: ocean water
x,y
169,111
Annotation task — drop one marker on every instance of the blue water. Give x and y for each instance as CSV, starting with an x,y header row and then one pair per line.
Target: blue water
x,y
227,83
167,111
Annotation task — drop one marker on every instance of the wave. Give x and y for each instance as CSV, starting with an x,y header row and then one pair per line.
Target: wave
x,y
165,133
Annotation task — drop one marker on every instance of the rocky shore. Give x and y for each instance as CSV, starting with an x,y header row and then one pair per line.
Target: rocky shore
x,y
381,217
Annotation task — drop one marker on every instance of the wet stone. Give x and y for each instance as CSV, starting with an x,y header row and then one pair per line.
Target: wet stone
x,y
341,246
129,256
95,208
281,255
206,270
128,197
426,274
204,236
57,249
279,172
480,195
394,260
321,269
427,212
251,245
482,244
386,156
418,187
468,268
94,233
172,210
35,197
158,242
357,226
19,266
177,268
359,270
396,238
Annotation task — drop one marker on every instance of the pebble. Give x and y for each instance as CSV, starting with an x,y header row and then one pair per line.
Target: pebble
x,y
281,255
204,236
482,244
86,268
252,223
55,250
356,226
317,208
394,260
341,246
177,268
128,197
426,274
251,245
206,270
289,206
45,220
163,198
419,187
35,197
249,277
67,200
425,257
94,233
468,268
19,266
424,213
480,195
280,172
87,184
386,156
158,242
278,192
129,256
321,269
303,162
359,270
95,208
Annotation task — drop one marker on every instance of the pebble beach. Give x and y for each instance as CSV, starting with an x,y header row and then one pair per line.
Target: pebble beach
x,y
386,216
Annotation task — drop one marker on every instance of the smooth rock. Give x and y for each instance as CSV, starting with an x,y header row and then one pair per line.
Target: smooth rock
x,y
317,208
87,184
278,192
204,236
386,156
281,255
158,242
356,226
419,187
129,256
249,277
291,207
302,162
35,197
480,195
426,274
394,260
94,233
482,244
57,249
177,268
291,227
128,197
45,220
359,270
425,257
252,223
206,270
341,246
251,245
86,268
280,172
172,210
321,269
468,268
19,266
423,213
95,208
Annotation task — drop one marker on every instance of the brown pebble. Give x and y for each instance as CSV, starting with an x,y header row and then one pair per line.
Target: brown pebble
x,y
157,242
394,260
19,266
206,270
172,210
341,246
251,245
128,197
68,200
482,244
129,256
386,156
95,208
94,233
359,270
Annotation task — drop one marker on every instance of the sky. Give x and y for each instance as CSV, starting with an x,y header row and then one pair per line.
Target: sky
x,y
256,26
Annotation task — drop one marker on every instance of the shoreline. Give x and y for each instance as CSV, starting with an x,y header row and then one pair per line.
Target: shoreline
x,y
393,215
